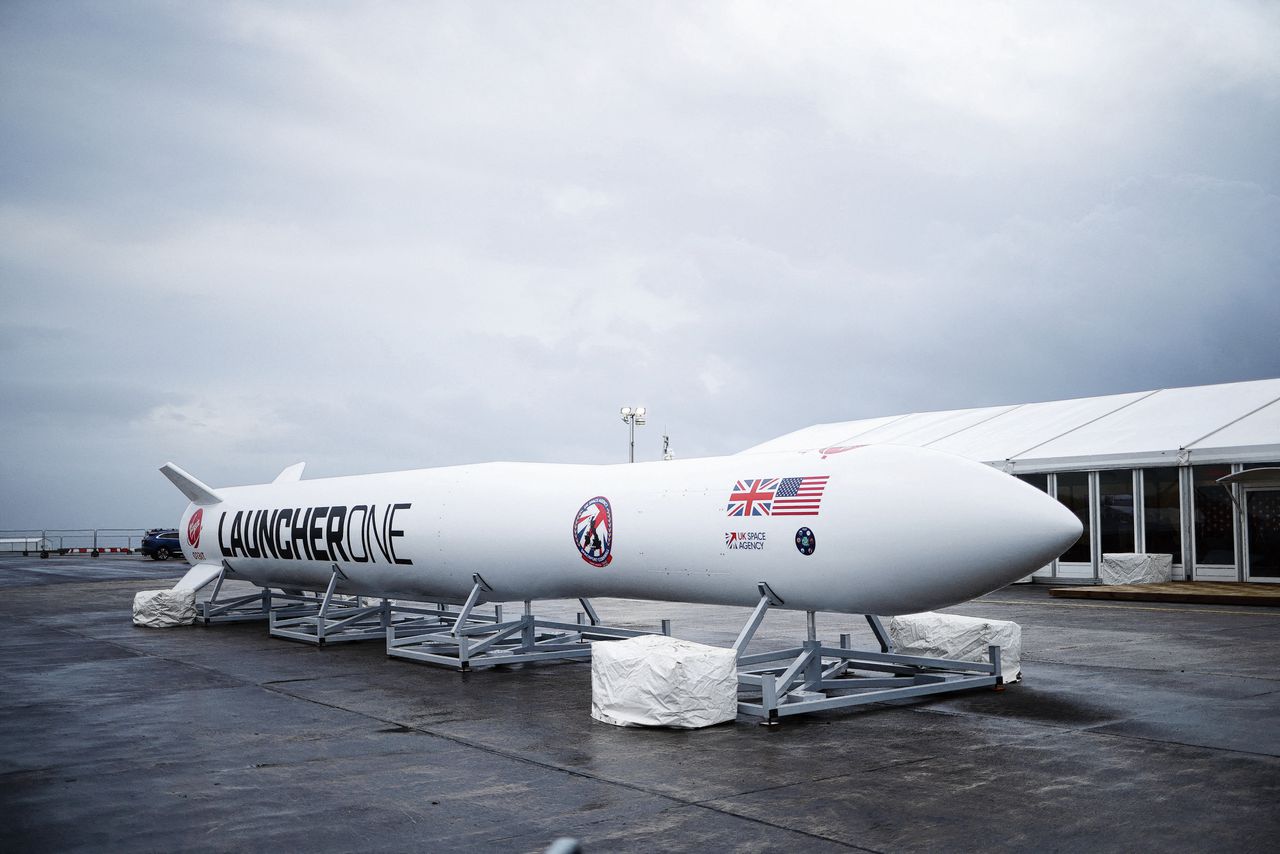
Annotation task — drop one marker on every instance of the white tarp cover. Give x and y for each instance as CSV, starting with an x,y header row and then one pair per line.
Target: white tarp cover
x,y
1125,568
965,638
654,680
160,609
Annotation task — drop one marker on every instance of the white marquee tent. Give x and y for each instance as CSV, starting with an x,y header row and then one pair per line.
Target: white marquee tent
x,y
1140,469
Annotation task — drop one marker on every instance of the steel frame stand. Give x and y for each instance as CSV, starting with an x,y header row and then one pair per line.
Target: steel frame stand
x,y
332,618
258,605
466,640
814,677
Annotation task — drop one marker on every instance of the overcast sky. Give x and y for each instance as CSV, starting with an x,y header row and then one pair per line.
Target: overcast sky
x,y
384,236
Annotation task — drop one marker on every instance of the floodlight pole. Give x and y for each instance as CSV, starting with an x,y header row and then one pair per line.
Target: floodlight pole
x,y
631,416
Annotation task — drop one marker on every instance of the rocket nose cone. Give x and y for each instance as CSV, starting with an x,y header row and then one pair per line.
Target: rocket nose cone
x,y
974,529
1060,524
1037,525
1023,530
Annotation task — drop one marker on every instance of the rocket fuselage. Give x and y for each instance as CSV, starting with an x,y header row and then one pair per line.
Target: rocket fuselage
x,y
878,529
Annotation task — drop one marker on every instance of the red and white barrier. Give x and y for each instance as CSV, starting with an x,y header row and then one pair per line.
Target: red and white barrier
x,y
105,550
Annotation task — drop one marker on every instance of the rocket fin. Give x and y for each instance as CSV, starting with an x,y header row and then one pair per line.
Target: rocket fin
x,y
291,474
196,492
198,576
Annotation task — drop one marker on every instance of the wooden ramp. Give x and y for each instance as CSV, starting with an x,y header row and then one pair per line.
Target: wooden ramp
x,y
1197,592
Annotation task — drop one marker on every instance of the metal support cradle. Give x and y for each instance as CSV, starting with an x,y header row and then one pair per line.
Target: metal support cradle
x,y
466,640
257,605
814,677
333,618
462,637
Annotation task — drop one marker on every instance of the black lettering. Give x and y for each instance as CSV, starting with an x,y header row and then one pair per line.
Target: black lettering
x,y
266,542
358,530
299,532
281,524
250,533
380,537
369,516
391,519
237,541
315,533
333,532
306,540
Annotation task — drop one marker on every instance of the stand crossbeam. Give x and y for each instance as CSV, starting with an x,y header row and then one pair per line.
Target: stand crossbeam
x,y
332,618
465,640
258,605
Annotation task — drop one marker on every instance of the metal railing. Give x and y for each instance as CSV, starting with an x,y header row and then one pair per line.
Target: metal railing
x,y
92,541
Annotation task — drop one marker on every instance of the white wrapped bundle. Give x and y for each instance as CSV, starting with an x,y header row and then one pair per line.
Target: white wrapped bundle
x,y
965,638
160,609
655,680
1126,568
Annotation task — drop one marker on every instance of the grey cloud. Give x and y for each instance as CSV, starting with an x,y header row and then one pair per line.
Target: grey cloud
x,y
387,237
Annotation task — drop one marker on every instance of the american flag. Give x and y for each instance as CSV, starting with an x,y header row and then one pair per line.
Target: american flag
x,y
799,496
752,497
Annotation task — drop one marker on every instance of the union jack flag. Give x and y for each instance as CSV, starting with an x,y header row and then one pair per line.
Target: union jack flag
x,y
752,497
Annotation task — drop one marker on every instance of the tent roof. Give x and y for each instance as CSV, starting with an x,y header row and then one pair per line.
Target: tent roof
x,y
1231,422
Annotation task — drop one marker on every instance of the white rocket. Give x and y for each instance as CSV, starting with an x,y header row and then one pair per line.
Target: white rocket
x,y
877,529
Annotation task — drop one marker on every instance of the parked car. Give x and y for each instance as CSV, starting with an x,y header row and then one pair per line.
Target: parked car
x,y
161,544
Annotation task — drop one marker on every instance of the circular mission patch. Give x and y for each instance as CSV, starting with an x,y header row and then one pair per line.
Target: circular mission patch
x,y
806,542
593,531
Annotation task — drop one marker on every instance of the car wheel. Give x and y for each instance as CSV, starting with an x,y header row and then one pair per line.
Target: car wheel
x,y
162,553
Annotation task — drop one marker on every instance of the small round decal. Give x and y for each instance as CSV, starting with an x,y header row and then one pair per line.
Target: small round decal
x,y
593,531
193,527
806,542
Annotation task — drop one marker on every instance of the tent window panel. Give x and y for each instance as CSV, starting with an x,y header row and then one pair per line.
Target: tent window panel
x,y
1115,519
1073,492
1215,533
1039,481
1162,512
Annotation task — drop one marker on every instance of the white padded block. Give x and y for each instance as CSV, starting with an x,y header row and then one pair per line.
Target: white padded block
x,y
653,680
160,609
953,636
1126,568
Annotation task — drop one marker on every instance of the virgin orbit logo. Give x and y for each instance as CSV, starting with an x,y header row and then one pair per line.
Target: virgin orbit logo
x,y
193,527
837,449
593,531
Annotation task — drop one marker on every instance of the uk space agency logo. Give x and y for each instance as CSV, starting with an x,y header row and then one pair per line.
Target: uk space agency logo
x,y
593,531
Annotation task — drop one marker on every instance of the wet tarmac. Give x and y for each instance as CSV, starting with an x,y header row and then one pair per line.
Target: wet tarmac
x,y
1136,727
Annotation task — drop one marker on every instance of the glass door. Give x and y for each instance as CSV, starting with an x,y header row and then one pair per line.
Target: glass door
x,y
1073,492
1215,526
1262,534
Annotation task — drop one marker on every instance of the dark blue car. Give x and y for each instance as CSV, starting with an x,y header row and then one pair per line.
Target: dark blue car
x,y
161,544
